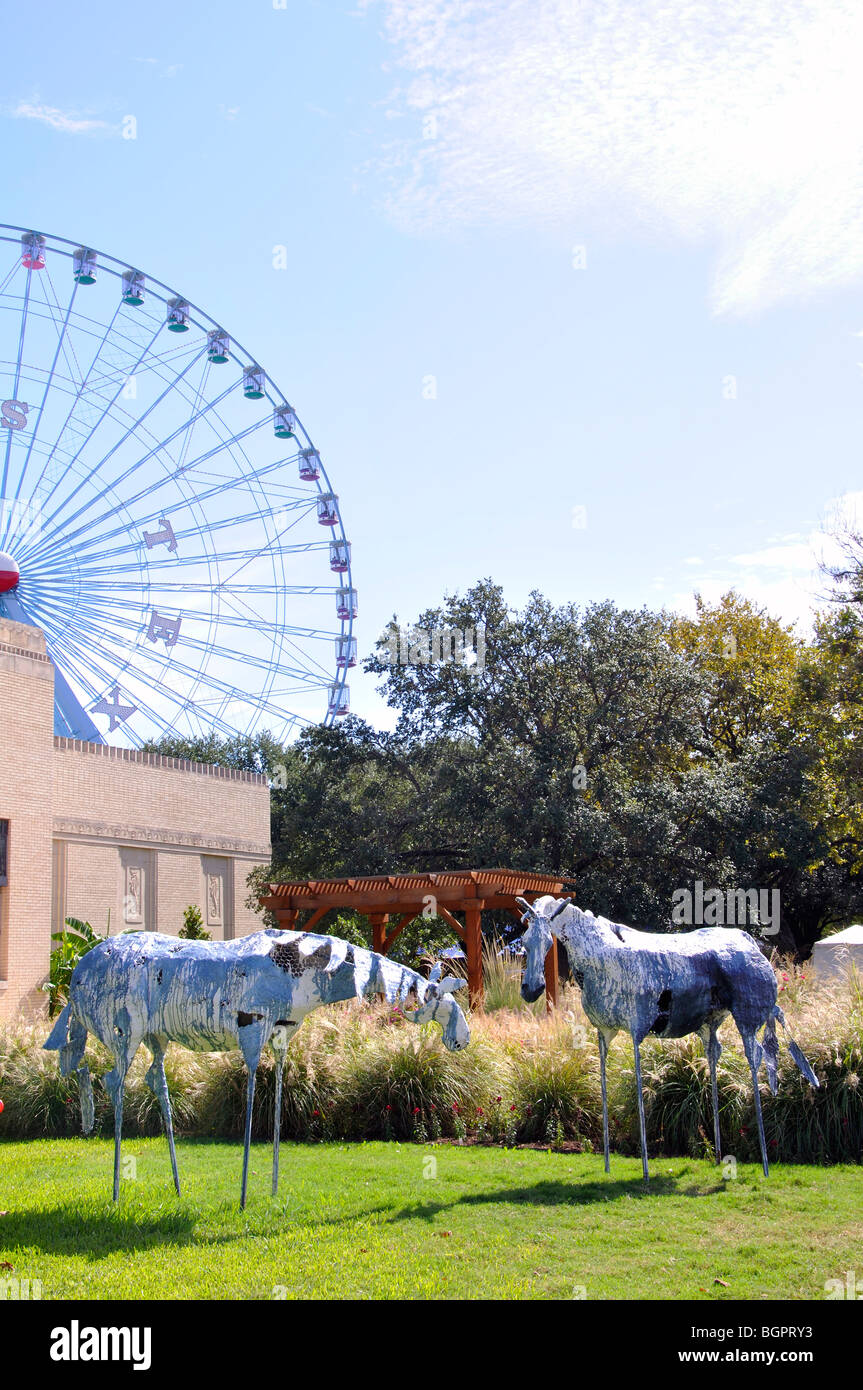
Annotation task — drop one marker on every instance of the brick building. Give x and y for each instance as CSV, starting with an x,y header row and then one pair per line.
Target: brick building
x,y
86,828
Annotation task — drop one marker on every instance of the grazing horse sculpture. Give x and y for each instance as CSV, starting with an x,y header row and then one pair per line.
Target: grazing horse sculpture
x,y
669,984
215,996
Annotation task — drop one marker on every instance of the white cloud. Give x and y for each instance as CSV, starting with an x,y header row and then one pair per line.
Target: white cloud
x,y
783,575
779,555
170,70
57,119
738,126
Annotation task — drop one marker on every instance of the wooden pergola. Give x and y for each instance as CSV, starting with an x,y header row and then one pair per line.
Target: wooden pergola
x,y
391,901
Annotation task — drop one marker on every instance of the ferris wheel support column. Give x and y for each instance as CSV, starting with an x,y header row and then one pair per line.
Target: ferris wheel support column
x,y
70,720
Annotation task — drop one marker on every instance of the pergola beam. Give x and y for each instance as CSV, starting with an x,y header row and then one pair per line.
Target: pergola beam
x,y
408,896
391,936
452,921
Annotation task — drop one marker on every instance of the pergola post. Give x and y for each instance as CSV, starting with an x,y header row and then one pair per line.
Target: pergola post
x,y
379,930
473,947
551,977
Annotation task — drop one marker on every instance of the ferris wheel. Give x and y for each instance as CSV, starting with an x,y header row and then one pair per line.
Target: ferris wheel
x,y
165,518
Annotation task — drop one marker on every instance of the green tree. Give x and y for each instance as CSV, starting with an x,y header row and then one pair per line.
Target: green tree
x,y
629,752
193,928
779,713
74,943
749,662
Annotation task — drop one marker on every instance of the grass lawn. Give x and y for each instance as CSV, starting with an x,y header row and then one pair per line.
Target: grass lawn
x,y
364,1221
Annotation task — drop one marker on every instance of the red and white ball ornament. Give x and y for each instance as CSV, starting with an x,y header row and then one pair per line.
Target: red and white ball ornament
x,y
9,573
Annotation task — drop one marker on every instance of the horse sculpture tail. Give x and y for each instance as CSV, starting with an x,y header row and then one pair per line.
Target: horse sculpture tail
x,y
69,1038
59,1035
771,1050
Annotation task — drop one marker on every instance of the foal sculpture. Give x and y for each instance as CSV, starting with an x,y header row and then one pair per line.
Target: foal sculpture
x,y
216,996
668,984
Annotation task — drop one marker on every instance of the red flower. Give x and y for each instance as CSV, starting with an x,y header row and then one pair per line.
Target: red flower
x,y
389,1107
512,1107
416,1110
316,1112
497,1100
479,1112
455,1106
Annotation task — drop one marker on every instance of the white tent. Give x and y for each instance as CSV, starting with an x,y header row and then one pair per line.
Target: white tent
x,y
834,955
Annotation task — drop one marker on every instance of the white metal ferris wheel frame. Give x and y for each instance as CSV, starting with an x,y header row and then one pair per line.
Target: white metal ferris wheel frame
x,y
193,317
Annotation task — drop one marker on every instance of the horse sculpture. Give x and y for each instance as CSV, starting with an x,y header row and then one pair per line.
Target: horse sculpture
x,y
215,996
668,984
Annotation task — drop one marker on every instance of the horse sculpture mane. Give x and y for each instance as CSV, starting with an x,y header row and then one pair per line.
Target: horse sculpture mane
x,y
148,988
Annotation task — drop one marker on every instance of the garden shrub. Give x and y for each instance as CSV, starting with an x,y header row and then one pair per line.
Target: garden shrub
x,y
362,1070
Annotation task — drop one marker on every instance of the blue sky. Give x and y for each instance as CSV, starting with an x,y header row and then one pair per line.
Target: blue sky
x,y
625,241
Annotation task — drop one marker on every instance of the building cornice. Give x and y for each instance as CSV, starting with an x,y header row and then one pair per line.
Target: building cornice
x,y
157,760
139,836
8,650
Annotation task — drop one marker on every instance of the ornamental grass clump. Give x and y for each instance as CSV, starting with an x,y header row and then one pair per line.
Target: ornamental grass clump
x,y
308,1096
397,1081
678,1107
38,1101
824,1125
366,1071
184,1073
555,1085
502,982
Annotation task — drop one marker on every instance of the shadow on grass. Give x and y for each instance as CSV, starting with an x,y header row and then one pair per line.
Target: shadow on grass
x,y
547,1193
68,1229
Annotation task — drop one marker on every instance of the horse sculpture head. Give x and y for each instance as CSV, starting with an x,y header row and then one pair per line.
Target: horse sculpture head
x,y
537,944
438,1006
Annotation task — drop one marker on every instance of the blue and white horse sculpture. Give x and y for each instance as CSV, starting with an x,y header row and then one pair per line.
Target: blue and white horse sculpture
x,y
216,996
668,984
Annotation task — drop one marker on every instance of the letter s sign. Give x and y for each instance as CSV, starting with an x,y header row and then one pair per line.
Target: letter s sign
x,y
14,414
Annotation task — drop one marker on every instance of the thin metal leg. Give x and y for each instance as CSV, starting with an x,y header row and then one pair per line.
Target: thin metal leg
x,y
158,1084
248,1139
118,1136
759,1117
277,1125
115,1084
603,1054
713,1050
641,1119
